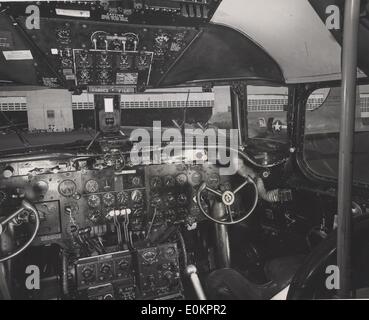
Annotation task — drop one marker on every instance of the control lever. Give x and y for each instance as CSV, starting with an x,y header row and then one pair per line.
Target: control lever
x,y
191,271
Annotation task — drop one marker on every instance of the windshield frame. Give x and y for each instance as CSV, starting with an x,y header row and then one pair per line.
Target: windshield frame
x,y
300,95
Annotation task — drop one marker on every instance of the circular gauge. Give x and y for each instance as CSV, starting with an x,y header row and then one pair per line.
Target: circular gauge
x,y
169,181
136,196
67,188
181,179
108,199
123,198
136,181
94,201
155,182
196,177
213,180
92,186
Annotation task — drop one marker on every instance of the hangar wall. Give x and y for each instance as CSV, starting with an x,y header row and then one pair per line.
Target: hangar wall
x,y
47,109
50,109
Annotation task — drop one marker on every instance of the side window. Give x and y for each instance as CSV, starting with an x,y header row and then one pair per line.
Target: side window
x,y
322,128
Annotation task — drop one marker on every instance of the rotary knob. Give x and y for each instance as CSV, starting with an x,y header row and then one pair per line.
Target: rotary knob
x,y
8,172
87,273
105,269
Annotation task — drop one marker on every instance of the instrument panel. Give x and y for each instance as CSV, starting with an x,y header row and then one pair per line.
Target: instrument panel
x,y
104,46
107,57
171,12
90,194
112,276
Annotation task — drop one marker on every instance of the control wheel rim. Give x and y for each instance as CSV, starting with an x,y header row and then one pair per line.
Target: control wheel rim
x,y
228,198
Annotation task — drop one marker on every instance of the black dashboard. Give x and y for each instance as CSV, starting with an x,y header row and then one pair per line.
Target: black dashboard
x,y
89,191
112,217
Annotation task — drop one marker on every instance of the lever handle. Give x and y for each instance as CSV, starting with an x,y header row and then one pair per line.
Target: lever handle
x,y
191,271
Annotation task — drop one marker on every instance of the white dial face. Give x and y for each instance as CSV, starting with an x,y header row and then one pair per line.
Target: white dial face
x,y
94,201
92,186
181,179
123,197
108,199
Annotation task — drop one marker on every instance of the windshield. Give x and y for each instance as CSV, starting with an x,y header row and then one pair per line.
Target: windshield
x,y
266,112
322,133
57,116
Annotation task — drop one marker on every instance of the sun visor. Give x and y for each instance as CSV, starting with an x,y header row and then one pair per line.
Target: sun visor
x,y
291,32
221,53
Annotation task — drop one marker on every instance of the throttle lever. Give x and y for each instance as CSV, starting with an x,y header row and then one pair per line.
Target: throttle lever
x,y
191,271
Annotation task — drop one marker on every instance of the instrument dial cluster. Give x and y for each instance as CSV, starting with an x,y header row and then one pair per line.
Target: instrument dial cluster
x,y
90,197
110,191
172,189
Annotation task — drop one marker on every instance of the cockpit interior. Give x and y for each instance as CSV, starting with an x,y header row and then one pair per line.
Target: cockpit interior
x,y
176,149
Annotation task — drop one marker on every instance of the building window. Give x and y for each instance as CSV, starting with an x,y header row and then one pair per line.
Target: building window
x,y
50,114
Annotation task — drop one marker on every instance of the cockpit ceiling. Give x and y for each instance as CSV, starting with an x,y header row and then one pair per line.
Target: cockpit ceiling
x,y
126,56
278,41
291,32
15,71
